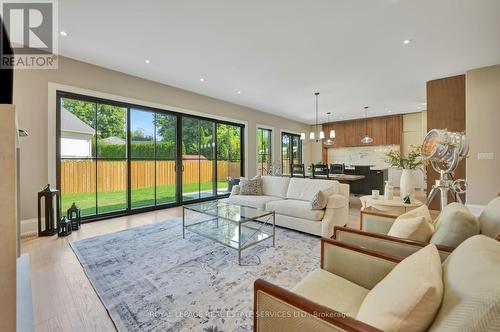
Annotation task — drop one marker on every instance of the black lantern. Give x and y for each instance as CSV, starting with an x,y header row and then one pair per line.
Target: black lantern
x,y
64,227
74,216
51,214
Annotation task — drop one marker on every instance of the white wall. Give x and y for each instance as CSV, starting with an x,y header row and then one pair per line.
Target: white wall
x,y
482,114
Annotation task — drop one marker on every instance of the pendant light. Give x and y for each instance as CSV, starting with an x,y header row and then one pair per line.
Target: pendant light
x,y
367,139
329,141
315,135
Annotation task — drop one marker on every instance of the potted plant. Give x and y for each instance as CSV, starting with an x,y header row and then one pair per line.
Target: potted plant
x,y
408,164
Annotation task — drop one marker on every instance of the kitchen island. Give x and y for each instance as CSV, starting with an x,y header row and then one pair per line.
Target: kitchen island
x,y
374,180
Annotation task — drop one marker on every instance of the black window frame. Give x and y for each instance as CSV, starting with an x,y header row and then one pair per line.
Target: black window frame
x,y
268,155
129,211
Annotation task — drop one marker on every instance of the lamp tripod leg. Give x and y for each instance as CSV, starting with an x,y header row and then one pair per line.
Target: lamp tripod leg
x,y
457,197
431,195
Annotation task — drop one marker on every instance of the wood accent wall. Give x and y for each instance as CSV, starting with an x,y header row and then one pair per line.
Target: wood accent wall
x,y
384,130
445,110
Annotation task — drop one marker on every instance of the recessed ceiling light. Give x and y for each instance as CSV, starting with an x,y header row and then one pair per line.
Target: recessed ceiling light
x,y
147,61
389,111
63,33
407,41
238,92
202,79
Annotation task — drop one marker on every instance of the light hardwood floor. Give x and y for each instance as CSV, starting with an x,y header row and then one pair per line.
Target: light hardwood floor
x,y
63,298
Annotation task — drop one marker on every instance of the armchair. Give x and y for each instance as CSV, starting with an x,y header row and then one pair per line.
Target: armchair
x,y
375,227
349,271
387,244
330,298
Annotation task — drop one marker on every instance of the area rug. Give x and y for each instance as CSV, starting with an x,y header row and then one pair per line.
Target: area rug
x,y
151,279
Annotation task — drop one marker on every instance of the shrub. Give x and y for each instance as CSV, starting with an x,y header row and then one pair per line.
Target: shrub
x,y
164,150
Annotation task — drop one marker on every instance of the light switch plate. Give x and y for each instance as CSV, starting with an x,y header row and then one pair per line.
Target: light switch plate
x,y
485,156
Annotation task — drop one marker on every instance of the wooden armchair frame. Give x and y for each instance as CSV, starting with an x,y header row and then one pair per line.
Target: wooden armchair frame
x,y
445,250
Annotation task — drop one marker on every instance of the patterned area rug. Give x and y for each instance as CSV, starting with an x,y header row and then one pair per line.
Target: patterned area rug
x,y
150,279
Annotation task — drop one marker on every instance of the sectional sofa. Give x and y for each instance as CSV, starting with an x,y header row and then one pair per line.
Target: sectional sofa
x,y
290,198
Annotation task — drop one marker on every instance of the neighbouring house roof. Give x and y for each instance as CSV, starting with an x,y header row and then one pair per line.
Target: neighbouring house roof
x,y
113,140
193,157
71,123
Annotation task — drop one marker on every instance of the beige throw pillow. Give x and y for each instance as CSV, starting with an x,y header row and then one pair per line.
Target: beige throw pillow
x,y
408,298
415,228
320,200
489,220
421,211
454,224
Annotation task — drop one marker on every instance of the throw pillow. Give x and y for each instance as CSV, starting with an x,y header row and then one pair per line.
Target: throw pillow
x,y
408,298
235,190
252,187
415,228
454,224
421,211
319,200
489,220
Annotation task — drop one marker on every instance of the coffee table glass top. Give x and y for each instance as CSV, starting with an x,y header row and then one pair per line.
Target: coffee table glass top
x,y
231,212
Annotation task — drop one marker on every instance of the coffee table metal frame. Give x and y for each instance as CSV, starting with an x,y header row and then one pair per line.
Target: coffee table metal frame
x,y
259,220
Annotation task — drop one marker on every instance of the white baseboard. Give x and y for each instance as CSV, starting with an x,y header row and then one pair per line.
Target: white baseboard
x,y
475,209
29,227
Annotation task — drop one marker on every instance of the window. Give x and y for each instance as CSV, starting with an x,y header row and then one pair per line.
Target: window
x,y
291,151
115,158
264,151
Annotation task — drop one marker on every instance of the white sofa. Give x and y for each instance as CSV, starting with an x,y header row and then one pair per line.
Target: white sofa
x,y
290,198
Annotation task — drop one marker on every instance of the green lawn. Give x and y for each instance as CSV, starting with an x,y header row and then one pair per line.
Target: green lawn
x,y
111,201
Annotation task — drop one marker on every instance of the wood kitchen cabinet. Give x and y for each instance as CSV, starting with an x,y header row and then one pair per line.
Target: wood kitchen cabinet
x,y
379,130
394,130
384,130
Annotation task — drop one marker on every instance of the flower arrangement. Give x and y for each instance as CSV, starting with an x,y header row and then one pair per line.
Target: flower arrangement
x,y
414,160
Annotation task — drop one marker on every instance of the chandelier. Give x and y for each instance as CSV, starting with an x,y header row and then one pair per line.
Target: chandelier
x,y
316,135
329,141
367,139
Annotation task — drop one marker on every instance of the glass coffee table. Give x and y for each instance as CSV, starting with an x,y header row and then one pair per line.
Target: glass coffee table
x,y
235,226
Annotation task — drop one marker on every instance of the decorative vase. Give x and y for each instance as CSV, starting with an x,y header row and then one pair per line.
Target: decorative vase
x,y
407,183
388,191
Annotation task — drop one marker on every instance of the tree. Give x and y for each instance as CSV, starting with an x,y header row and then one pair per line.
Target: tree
x,y
110,119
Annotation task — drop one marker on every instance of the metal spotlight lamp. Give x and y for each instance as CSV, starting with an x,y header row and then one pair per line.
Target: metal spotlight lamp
x,y
444,150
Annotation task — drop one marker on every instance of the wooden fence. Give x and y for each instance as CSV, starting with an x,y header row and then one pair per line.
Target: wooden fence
x,y
79,176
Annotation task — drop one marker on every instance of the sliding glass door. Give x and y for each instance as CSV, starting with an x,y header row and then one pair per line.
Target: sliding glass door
x,y
142,158
198,158
111,158
166,158
92,150
152,158
115,158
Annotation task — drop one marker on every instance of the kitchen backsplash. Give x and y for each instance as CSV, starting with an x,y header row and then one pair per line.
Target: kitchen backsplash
x,y
363,155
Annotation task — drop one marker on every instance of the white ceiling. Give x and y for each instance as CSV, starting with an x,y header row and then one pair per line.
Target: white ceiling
x,y
279,52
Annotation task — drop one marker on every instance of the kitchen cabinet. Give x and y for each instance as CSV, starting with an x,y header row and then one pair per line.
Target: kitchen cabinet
x,y
384,130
